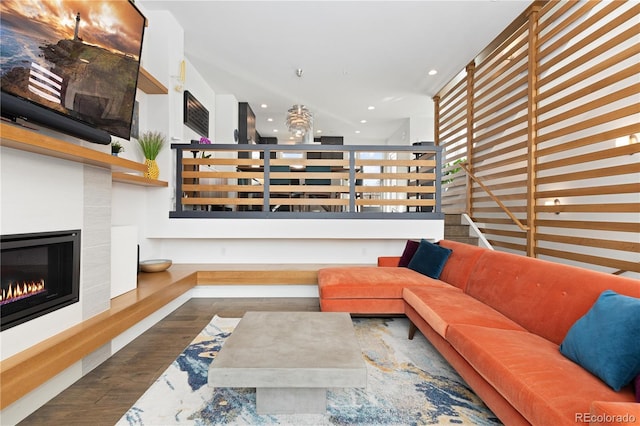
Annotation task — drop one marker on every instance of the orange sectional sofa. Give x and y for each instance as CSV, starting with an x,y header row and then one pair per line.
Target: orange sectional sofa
x,y
499,319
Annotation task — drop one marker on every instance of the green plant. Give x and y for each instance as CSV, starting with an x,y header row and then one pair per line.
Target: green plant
x,y
452,171
151,144
116,147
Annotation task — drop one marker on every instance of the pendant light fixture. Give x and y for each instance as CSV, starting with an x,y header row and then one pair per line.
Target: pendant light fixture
x,y
299,119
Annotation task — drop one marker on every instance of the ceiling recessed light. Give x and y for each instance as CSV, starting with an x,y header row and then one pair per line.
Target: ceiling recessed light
x,y
357,131
371,107
275,130
269,119
363,121
318,131
264,106
433,72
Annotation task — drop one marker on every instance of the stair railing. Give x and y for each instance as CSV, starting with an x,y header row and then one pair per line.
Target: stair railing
x,y
465,167
475,231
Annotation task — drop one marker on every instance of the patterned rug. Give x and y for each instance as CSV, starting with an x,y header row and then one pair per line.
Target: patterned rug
x,y
408,383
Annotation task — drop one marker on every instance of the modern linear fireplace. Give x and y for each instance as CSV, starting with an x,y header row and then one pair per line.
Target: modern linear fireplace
x,y
40,274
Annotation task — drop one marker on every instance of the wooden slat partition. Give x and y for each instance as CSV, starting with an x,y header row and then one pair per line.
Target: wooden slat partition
x,y
553,121
587,44
452,107
499,151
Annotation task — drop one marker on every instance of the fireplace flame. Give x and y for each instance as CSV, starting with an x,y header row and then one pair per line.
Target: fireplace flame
x,y
17,291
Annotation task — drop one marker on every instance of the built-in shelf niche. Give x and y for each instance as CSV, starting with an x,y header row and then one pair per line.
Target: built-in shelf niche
x,y
123,177
149,84
17,137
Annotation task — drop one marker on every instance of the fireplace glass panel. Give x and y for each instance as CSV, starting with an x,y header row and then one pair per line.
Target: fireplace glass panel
x,y
40,273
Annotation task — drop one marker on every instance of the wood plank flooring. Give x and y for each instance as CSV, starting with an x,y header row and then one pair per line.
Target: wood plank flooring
x,y
104,395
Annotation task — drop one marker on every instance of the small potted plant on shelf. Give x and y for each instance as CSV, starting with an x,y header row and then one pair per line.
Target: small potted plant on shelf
x,y
116,148
151,143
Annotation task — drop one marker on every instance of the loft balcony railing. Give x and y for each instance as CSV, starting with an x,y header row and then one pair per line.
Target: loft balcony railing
x,y
307,181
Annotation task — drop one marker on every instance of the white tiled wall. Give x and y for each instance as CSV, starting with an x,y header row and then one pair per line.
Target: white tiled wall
x,y
41,194
95,292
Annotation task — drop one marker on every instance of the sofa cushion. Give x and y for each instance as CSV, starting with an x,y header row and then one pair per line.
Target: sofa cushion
x,y
459,265
409,251
613,324
429,259
546,298
369,282
530,372
388,261
440,307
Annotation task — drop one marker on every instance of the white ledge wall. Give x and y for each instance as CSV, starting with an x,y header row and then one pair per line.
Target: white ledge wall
x,y
286,241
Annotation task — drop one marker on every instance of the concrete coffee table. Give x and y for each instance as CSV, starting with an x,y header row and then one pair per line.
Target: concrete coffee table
x,y
291,358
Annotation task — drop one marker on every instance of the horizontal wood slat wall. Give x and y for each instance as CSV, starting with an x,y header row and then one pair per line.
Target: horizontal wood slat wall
x,y
451,126
552,124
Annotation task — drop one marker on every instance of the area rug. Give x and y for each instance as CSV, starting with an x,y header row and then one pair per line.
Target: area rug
x,y
408,383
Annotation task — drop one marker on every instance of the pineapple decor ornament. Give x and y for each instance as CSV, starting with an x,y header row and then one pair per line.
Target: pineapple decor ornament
x,y
151,144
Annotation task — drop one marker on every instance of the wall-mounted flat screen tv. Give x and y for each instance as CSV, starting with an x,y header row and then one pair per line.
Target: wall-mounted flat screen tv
x,y
71,64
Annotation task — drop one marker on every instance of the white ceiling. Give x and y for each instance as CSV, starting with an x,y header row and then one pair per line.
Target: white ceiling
x,y
354,54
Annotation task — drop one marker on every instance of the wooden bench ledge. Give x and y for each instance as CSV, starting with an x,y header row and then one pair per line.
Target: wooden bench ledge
x,y
25,371
261,274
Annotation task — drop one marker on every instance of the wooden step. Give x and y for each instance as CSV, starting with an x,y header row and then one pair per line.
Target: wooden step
x,y
453,219
455,230
473,241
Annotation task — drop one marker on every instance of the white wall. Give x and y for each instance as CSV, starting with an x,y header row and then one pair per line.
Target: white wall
x,y
422,123
226,118
39,193
199,88
288,241
402,135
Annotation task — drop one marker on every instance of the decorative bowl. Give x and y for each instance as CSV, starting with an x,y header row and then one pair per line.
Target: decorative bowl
x,y
155,265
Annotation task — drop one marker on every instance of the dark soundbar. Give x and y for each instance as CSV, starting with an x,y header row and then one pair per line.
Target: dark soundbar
x,y
14,107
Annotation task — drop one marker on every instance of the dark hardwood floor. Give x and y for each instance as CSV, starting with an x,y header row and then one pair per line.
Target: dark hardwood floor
x,y
104,395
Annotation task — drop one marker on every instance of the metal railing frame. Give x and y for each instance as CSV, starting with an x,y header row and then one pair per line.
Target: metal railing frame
x,y
179,212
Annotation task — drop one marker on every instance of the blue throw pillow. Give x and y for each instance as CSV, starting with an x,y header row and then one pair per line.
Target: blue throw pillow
x,y
429,259
606,340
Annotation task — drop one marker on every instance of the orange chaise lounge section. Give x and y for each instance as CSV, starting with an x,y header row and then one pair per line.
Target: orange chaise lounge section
x,y
499,319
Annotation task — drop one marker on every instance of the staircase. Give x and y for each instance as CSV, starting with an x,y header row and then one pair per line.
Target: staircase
x,y
455,230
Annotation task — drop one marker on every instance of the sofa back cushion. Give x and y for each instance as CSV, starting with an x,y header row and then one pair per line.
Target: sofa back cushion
x,y
544,297
460,263
429,259
410,249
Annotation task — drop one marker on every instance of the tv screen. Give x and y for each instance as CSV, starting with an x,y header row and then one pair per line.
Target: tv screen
x,y
77,58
